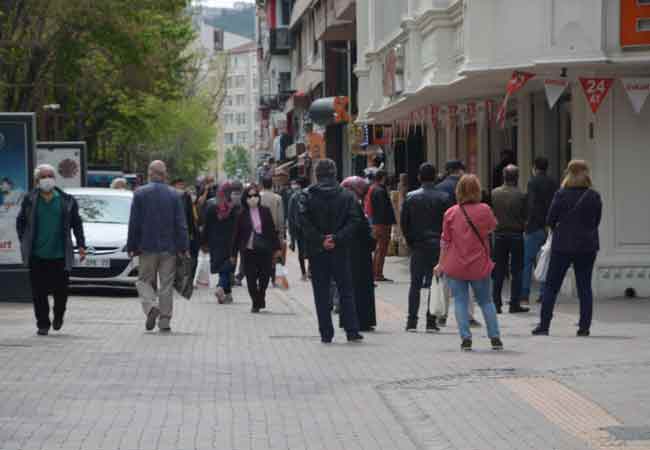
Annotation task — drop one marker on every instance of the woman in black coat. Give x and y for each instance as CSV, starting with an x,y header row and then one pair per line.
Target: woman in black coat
x,y
257,240
219,219
361,250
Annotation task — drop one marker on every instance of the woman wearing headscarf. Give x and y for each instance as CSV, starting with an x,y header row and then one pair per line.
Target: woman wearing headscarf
x,y
257,241
361,250
219,221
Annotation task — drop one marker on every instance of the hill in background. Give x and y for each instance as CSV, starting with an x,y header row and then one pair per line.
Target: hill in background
x,y
240,20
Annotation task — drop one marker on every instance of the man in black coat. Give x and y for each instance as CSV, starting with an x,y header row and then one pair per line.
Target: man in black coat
x,y
541,189
329,218
382,217
454,169
421,222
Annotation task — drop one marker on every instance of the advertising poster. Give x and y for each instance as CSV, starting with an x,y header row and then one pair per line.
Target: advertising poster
x,y
16,143
68,160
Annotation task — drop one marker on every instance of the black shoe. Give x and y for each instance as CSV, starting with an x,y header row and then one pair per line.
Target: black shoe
x,y
166,329
255,310
326,340
431,325
518,309
442,322
539,331
42,331
582,333
150,324
383,280
355,337
412,325
496,343
466,345
473,323
57,323
499,310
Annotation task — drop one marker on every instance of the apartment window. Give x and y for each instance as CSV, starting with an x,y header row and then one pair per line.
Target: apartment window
x,y
240,81
285,82
228,138
229,83
285,14
315,43
241,118
242,138
229,101
217,38
240,100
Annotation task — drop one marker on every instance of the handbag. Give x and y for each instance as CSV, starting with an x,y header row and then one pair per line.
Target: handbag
x,y
183,280
261,244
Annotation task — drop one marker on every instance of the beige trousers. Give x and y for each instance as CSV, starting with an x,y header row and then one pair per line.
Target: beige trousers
x,y
160,268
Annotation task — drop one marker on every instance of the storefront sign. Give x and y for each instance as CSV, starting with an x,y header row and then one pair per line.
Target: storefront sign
x,y
637,90
635,23
596,90
68,160
554,88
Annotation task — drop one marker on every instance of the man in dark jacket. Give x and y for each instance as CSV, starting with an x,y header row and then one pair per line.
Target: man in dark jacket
x,y
454,169
297,241
47,215
421,222
541,189
192,222
157,234
509,205
329,218
382,218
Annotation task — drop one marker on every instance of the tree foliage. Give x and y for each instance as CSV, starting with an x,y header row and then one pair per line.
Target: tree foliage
x,y
237,163
116,67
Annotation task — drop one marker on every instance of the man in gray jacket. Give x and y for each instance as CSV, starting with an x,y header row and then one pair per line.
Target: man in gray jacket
x,y
47,215
157,235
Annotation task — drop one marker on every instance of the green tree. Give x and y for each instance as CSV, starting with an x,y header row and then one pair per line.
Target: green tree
x,y
237,163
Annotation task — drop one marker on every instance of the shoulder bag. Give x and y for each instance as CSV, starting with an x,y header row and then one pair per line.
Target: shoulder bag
x,y
474,229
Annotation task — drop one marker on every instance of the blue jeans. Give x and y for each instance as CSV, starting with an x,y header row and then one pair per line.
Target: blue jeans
x,y
225,279
532,244
460,292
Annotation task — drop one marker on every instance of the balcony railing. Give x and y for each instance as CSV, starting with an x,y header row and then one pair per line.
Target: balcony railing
x,y
280,41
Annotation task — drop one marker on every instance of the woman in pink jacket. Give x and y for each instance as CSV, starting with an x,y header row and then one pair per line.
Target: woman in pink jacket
x,y
465,258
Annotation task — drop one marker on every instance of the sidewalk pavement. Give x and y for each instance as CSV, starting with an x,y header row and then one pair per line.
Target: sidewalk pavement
x,y
228,379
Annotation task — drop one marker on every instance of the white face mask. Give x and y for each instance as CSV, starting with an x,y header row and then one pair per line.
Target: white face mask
x,y
253,202
5,187
47,184
295,187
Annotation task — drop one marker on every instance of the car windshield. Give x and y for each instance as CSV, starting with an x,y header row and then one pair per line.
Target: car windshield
x,y
104,208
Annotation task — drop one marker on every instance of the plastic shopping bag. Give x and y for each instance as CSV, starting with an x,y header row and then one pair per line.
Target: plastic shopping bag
x,y
437,303
202,275
544,259
281,276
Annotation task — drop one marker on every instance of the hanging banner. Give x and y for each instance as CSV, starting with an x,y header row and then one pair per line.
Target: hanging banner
x,y
435,110
452,111
596,90
489,112
554,88
637,90
517,81
471,112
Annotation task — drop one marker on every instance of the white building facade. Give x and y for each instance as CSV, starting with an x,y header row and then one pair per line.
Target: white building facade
x,y
239,114
417,54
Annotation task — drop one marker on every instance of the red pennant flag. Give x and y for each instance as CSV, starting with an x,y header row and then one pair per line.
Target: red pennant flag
x,y
596,90
517,81
452,110
489,111
434,116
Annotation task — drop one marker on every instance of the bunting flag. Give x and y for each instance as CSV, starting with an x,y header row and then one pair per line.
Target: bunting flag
x,y
596,90
471,112
554,88
637,91
452,111
489,112
517,81
435,110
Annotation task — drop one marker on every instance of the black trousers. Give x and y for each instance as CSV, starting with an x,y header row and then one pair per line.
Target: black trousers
x,y
508,248
48,276
325,267
258,268
423,260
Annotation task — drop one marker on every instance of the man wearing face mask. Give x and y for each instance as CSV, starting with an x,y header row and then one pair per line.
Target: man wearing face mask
x,y
47,216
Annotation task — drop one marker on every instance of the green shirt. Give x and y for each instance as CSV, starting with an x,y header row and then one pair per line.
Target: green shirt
x,y
49,242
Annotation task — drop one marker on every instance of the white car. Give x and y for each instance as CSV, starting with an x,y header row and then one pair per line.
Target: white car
x,y
105,214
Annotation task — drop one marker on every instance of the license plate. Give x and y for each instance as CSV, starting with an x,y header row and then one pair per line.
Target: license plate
x,y
92,262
